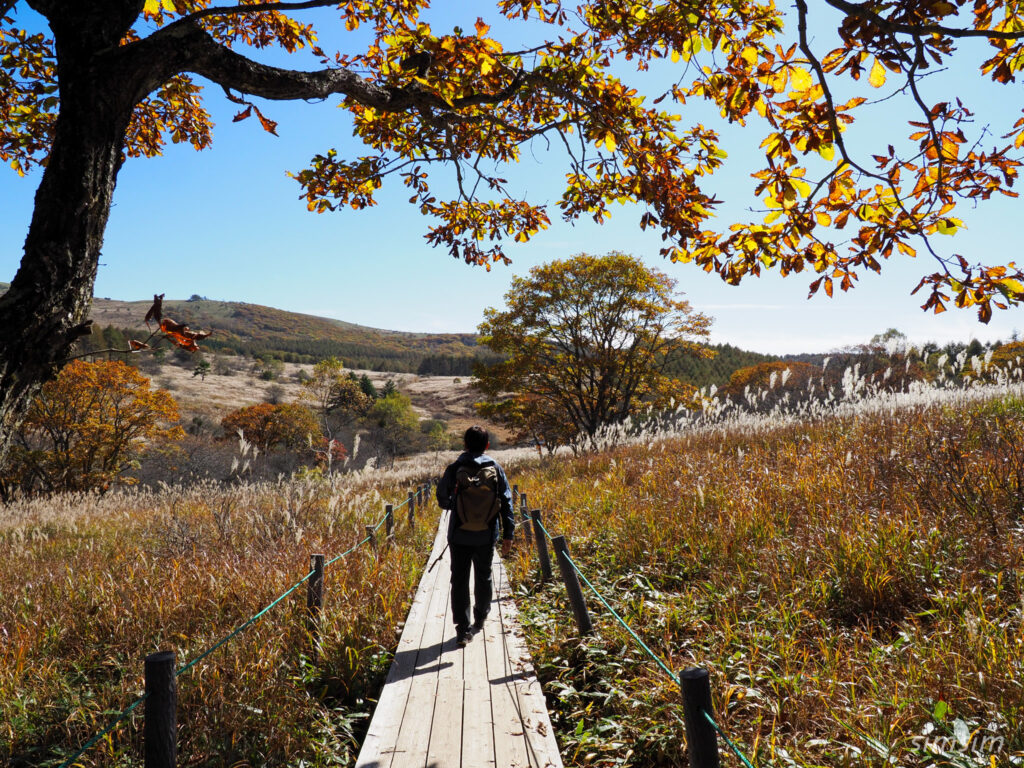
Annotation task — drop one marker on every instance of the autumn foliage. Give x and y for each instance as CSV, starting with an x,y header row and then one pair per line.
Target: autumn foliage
x,y
445,106
586,342
763,378
87,426
267,426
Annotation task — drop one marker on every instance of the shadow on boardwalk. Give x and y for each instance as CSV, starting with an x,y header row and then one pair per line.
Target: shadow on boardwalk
x,y
449,707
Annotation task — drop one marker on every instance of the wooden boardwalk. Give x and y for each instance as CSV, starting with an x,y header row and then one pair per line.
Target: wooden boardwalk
x,y
449,707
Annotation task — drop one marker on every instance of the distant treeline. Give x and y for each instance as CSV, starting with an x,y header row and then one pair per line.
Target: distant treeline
x,y
307,351
702,372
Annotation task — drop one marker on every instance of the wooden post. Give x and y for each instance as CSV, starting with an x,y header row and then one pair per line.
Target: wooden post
x,y
412,502
572,586
515,495
389,521
371,532
542,546
522,498
701,738
419,496
315,602
160,728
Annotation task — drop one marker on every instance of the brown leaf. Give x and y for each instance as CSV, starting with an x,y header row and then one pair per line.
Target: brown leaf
x,y
268,125
247,112
135,346
156,311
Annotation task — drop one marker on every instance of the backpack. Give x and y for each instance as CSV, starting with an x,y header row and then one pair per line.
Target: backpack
x,y
476,496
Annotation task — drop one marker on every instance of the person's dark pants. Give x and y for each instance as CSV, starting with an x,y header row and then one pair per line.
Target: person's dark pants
x,y
479,557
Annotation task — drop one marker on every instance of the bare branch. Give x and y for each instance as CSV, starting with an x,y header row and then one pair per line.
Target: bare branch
x,y
863,11
6,6
235,10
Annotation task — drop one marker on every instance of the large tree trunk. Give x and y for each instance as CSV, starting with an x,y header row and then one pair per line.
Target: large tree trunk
x,y
45,309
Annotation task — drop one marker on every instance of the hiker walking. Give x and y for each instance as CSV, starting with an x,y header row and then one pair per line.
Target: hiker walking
x,y
475,489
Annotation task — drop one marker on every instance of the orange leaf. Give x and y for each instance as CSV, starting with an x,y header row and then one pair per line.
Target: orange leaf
x,y
181,335
268,125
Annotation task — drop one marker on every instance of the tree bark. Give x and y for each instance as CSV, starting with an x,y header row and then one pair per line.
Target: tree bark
x,y
45,309
100,82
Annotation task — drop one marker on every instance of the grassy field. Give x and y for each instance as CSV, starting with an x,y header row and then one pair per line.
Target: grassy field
x,y
91,585
853,583
854,586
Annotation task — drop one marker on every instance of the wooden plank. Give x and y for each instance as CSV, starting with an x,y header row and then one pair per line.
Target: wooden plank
x,y
446,731
509,739
474,707
533,709
477,728
414,732
382,734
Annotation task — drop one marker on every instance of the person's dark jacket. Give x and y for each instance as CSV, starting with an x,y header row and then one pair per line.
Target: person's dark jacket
x,y
446,500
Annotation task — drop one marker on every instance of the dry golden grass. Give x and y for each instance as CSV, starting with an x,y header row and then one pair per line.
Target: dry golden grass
x,y
92,584
855,586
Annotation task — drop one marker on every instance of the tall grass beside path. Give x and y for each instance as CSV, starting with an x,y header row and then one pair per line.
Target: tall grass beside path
x,y
854,586
96,583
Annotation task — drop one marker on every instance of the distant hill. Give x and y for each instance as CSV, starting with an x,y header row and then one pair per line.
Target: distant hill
x,y
255,330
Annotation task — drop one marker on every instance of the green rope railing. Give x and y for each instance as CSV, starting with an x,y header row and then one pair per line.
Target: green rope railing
x,y
347,552
243,626
652,654
664,667
111,726
223,641
728,741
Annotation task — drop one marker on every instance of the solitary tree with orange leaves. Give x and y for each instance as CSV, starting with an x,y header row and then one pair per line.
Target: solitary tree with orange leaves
x,y
586,341
116,79
267,426
88,425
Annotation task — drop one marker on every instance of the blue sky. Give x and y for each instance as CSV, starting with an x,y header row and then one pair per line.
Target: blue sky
x,y
227,223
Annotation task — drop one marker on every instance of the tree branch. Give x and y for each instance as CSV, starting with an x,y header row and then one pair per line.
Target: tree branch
x,y
235,10
186,47
863,11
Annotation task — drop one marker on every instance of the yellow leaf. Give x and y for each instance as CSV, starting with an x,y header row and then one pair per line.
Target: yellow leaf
x,y
749,55
486,65
168,5
877,76
905,249
609,142
1014,286
800,79
823,218
827,151
675,59
152,7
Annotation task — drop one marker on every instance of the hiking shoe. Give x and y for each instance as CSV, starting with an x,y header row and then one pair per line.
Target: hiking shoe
x,y
463,636
478,626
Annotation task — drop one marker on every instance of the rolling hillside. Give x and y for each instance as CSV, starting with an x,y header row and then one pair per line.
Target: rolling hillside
x,y
255,330
252,329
